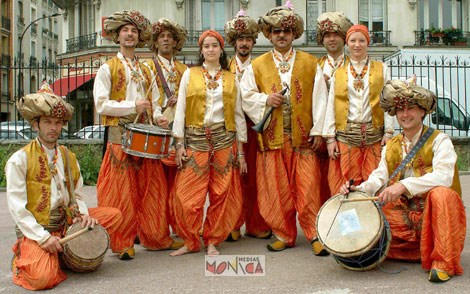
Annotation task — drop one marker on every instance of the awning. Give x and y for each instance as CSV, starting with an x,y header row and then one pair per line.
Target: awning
x,y
63,86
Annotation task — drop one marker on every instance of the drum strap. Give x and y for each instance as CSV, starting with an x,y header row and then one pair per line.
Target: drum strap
x,y
162,78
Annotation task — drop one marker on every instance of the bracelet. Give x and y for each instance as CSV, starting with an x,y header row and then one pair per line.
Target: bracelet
x,y
240,154
178,145
388,135
330,140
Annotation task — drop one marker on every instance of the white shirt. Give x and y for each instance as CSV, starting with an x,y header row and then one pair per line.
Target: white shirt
x,y
254,102
242,66
328,69
15,171
443,164
214,112
359,103
134,92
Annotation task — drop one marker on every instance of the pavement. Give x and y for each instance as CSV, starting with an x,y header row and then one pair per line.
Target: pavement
x,y
295,270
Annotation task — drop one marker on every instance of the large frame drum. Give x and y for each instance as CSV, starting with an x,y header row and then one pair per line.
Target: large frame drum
x,y
355,233
147,141
85,253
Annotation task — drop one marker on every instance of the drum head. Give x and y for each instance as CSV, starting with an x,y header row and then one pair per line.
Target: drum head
x,y
348,229
148,129
91,244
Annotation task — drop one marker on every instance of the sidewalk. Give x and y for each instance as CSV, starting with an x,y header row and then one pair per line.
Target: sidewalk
x,y
295,270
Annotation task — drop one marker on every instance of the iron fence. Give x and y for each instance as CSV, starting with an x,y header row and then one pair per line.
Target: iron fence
x,y
377,38
446,76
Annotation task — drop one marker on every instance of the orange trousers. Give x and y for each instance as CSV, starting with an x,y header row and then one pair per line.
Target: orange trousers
x,y
324,162
251,216
435,235
170,169
37,269
354,163
212,174
288,183
137,186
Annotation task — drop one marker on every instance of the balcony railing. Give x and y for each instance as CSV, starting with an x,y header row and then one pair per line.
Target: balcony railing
x,y
33,61
81,43
6,23
193,36
5,60
453,38
377,38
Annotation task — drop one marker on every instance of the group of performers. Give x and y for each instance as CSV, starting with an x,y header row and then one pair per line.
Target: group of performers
x,y
331,123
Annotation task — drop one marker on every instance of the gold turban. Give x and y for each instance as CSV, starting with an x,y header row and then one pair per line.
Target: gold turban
x,y
332,22
44,103
400,94
241,26
282,17
179,33
121,18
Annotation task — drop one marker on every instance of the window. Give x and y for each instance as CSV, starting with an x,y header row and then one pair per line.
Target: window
x,y
33,49
371,14
213,14
314,9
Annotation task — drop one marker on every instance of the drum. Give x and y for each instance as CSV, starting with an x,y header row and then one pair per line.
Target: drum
x,y
85,253
355,233
147,141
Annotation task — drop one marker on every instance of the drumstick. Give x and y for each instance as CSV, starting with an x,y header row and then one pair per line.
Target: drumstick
x,y
74,235
149,114
360,199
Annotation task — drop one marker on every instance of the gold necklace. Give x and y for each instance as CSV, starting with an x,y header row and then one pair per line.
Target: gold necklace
x,y
136,77
171,73
212,80
358,82
284,65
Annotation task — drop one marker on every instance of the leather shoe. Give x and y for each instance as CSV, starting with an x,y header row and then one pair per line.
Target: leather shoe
x,y
318,248
277,245
233,236
261,235
176,245
127,254
438,276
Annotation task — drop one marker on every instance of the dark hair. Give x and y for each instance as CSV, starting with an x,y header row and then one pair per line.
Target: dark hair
x,y
222,59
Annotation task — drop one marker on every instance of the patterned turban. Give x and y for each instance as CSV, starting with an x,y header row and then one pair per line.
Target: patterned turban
x,y
44,103
332,22
400,94
241,26
179,33
121,18
282,17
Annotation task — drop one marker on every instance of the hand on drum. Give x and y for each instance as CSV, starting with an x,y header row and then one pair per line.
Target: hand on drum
x,y
162,122
346,188
141,106
333,150
87,221
52,245
171,101
392,192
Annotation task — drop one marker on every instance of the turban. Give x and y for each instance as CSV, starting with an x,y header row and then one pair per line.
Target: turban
x,y
282,17
361,29
44,103
179,33
400,94
332,22
121,18
241,26
211,33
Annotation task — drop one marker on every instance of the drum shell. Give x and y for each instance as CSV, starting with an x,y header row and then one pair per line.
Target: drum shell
x,y
86,252
146,141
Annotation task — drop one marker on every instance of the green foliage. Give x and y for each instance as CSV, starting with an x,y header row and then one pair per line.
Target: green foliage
x,y
5,152
463,159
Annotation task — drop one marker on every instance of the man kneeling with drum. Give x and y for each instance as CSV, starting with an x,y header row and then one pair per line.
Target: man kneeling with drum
x,y
423,199
43,194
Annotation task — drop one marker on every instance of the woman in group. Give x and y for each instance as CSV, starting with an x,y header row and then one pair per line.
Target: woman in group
x,y
356,127
209,129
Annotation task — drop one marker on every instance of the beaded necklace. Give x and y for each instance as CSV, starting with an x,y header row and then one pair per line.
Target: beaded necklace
x,y
171,73
239,71
284,65
211,83
52,165
358,82
136,77
338,63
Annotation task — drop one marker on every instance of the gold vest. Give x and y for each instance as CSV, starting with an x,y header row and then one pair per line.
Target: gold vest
x,y
422,161
38,181
376,84
232,65
301,88
179,68
196,99
119,86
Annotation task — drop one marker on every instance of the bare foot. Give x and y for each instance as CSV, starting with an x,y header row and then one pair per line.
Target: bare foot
x,y
211,250
181,251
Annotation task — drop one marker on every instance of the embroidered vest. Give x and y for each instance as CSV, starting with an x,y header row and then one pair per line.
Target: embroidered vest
x,y
196,99
179,68
232,65
422,162
38,181
376,83
119,86
301,88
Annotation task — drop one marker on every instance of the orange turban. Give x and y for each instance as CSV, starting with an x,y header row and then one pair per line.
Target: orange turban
x,y
361,29
211,33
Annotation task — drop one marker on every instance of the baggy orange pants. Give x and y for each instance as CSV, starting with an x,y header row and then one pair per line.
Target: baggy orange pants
x,y
36,269
170,170
214,175
137,186
288,183
435,235
354,163
251,216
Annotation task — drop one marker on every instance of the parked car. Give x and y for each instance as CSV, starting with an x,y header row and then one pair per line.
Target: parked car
x,y
91,132
12,134
12,129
